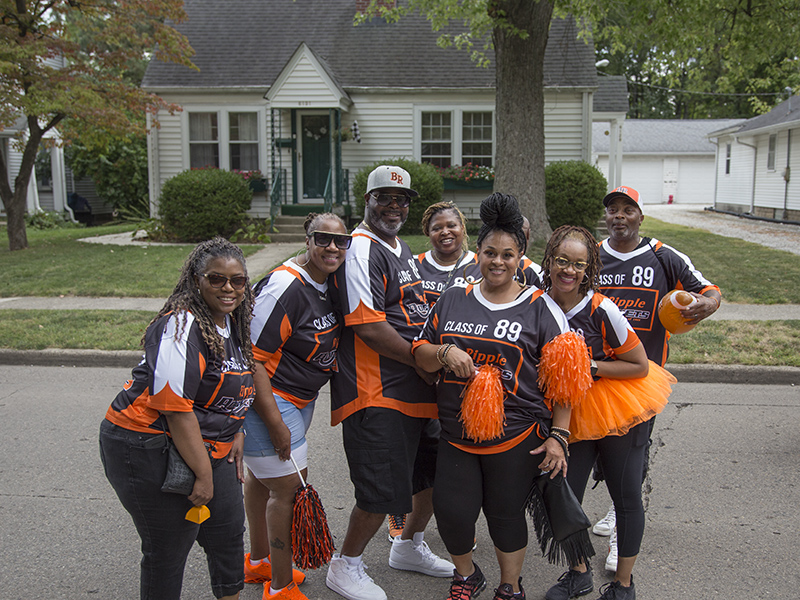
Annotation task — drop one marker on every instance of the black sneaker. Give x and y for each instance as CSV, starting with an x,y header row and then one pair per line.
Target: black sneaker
x,y
571,585
464,589
616,591
506,592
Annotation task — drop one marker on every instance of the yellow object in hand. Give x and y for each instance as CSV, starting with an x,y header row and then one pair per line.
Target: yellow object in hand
x,y
198,514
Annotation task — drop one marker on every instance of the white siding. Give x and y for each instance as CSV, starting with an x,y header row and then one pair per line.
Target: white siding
x,y
645,175
735,188
304,88
770,185
563,126
793,200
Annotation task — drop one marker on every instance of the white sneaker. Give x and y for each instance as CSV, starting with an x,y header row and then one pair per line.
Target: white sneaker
x,y
613,554
352,582
415,555
605,526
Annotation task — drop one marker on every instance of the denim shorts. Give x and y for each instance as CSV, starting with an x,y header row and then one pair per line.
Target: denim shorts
x,y
135,464
298,420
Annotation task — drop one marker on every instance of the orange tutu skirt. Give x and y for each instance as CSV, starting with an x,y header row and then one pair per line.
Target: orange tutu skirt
x,y
613,406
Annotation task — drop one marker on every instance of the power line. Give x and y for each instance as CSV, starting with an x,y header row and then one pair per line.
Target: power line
x,y
677,91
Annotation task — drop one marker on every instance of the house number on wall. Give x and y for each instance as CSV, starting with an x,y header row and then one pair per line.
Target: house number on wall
x,y
304,103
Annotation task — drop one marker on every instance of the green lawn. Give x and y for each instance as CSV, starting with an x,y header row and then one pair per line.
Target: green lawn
x,y
56,263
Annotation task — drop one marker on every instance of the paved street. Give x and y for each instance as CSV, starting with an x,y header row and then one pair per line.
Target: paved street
x,y
722,521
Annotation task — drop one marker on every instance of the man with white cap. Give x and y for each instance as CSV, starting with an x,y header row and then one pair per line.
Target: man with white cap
x,y
387,408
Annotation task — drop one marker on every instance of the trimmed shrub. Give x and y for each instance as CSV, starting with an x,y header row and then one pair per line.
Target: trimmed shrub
x,y
424,179
198,204
574,192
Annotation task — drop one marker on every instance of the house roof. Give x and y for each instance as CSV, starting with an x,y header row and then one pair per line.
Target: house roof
x,y
662,136
246,44
785,113
611,95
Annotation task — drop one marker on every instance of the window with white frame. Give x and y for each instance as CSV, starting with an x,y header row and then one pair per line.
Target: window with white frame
x,y
727,159
456,137
773,143
203,140
243,135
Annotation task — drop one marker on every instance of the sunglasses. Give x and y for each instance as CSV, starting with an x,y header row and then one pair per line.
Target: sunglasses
x,y
218,281
323,239
403,201
563,263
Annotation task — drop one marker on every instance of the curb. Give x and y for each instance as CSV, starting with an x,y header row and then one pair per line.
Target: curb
x,y
691,373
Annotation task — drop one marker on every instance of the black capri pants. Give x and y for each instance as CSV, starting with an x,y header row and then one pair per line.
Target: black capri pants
x,y
622,460
497,483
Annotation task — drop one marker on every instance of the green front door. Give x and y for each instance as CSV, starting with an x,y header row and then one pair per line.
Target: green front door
x,y
316,154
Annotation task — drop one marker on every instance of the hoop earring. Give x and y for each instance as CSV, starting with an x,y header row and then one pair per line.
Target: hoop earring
x,y
585,278
524,283
469,278
297,262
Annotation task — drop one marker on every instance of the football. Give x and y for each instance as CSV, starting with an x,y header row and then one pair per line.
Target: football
x,y
669,311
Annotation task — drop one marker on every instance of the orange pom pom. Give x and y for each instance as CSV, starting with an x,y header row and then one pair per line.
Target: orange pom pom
x,y
564,371
482,412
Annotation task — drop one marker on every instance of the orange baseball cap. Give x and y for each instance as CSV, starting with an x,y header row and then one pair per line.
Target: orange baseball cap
x,y
623,191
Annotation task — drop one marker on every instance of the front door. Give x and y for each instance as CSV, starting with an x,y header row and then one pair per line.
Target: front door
x,y
313,156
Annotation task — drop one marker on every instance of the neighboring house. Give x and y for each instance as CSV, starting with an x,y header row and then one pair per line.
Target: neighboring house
x,y
281,85
666,160
755,160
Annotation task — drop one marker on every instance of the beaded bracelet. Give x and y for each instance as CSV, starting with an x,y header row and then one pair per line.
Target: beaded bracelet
x,y
565,432
560,439
444,355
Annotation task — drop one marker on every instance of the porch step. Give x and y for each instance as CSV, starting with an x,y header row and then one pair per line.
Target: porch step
x,y
287,237
290,229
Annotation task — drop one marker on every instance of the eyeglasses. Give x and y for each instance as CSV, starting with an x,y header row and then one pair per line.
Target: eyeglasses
x,y
323,239
218,281
563,263
403,201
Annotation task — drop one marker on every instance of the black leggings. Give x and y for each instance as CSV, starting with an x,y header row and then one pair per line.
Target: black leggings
x,y
498,483
622,459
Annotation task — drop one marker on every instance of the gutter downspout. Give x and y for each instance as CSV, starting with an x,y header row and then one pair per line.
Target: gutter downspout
x,y
755,161
716,171
787,174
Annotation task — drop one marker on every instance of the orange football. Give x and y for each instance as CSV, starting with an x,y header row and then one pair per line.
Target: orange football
x,y
669,307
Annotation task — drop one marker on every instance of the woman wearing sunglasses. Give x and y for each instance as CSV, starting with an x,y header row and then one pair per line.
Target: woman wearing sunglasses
x,y
194,385
610,422
295,334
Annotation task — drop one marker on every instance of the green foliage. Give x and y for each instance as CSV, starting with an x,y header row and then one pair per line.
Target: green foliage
x,y
198,204
574,194
424,179
254,232
118,169
48,220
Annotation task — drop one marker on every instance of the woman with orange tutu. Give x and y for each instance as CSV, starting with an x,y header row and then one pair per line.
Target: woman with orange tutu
x,y
610,422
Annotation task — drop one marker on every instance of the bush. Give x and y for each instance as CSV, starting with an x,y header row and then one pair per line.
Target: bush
x,y
48,220
574,192
196,205
424,179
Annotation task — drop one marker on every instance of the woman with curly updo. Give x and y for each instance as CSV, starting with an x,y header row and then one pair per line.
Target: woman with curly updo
x,y
495,324
295,335
191,389
610,422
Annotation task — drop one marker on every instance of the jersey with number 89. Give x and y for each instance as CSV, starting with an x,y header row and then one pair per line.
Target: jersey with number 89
x,y
636,281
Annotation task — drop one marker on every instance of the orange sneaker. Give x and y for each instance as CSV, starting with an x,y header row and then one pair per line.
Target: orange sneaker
x,y
263,572
290,592
396,524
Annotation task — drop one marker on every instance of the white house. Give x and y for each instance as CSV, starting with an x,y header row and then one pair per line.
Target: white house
x,y
664,159
755,160
281,85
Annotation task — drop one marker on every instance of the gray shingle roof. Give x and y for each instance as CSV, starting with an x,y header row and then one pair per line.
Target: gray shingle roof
x,y
662,136
786,112
611,94
246,43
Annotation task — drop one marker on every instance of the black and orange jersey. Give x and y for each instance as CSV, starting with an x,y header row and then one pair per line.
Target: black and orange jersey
x,y
378,283
436,277
636,281
511,337
295,332
606,331
179,374
532,271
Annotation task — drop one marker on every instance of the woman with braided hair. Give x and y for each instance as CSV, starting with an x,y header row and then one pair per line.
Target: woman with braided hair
x,y
499,325
610,422
193,386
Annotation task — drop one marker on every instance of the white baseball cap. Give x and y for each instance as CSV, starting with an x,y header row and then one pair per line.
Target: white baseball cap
x,y
388,176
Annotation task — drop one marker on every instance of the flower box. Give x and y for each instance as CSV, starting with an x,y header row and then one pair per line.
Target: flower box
x,y
257,185
473,184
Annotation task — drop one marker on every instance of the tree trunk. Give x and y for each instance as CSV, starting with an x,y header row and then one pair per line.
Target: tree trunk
x,y
520,108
